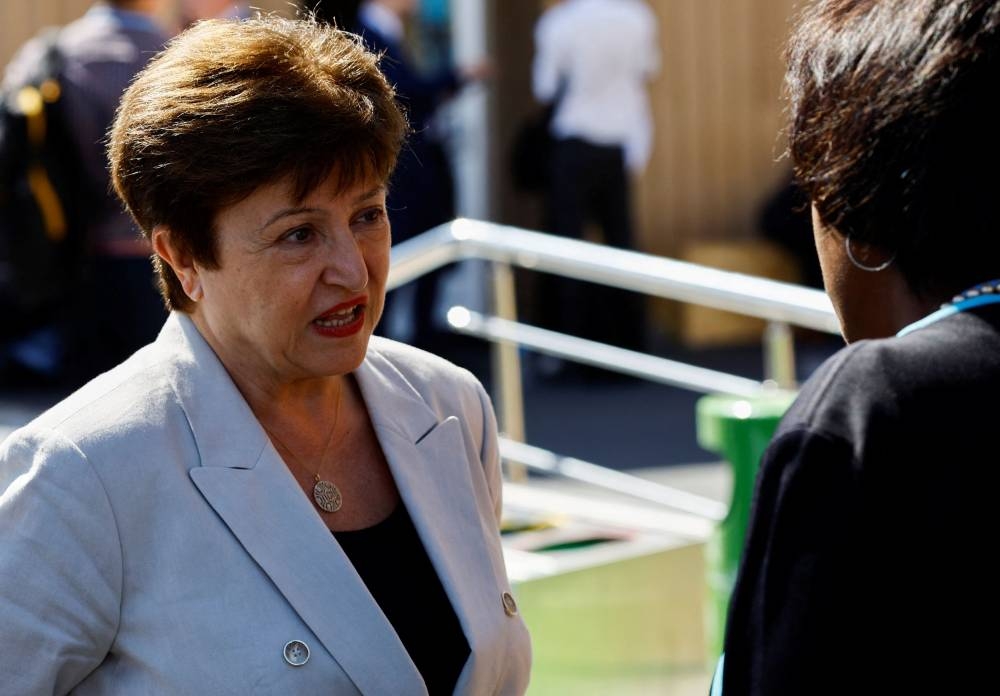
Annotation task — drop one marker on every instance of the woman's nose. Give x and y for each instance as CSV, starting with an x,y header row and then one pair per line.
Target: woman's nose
x,y
344,263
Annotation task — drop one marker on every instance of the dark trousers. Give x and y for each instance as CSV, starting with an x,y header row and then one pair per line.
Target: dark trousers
x,y
589,184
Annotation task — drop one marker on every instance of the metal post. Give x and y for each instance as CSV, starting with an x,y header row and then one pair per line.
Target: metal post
x,y
779,355
507,367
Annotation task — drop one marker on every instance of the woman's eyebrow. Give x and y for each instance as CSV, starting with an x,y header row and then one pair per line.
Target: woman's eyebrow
x,y
286,212
370,194
295,210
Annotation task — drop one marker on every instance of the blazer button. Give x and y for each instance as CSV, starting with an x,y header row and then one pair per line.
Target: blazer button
x,y
509,605
296,653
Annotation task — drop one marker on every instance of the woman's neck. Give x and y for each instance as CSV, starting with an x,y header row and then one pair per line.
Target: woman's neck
x,y
879,305
274,397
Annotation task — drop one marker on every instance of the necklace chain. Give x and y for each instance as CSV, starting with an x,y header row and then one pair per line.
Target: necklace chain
x,y
326,495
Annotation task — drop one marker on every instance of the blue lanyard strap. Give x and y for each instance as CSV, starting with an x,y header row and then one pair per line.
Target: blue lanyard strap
x,y
977,296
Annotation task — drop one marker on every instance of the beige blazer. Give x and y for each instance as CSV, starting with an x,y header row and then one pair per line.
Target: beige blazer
x,y
153,542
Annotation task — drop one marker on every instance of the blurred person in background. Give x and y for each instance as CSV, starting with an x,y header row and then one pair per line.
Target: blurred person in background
x,y
421,194
116,308
863,566
594,60
266,499
785,220
189,11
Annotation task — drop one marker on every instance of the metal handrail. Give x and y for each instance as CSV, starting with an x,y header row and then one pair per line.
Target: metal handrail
x,y
628,362
580,470
781,304
630,270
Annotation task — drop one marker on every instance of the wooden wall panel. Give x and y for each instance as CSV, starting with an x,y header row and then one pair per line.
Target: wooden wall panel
x,y
14,24
717,113
718,118
20,19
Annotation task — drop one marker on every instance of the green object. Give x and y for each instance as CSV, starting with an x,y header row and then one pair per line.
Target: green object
x,y
739,430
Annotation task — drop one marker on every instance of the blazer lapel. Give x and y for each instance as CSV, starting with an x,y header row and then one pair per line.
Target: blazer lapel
x,y
431,469
250,488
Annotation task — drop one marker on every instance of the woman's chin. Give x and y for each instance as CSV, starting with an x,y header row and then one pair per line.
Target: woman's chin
x,y
336,363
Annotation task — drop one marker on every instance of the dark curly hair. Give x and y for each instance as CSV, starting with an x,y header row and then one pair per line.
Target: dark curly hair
x,y
893,131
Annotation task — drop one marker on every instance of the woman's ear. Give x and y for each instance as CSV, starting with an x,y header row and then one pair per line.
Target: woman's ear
x,y
179,260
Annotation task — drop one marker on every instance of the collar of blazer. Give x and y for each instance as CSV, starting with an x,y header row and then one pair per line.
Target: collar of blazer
x,y
248,485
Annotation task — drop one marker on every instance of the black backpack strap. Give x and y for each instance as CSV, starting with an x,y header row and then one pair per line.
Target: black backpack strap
x,y
42,236
31,101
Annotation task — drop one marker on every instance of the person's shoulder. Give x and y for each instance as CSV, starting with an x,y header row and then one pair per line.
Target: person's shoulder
x,y
123,420
646,9
638,16
130,398
23,67
876,379
446,388
853,380
97,38
554,12
549,22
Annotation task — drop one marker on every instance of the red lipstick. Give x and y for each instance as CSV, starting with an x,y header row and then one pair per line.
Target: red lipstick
x,y
344,319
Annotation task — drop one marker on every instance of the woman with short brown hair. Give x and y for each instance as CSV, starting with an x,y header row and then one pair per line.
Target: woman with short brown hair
x,y
266,499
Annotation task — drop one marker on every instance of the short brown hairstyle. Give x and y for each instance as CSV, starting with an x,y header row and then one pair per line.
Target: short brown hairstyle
x,y
230,106
894,131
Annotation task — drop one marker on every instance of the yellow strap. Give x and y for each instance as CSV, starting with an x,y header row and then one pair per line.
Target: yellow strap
x,y
48,202
31,101
32,105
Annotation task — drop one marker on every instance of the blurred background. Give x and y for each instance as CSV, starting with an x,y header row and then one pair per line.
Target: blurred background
x,y
716,110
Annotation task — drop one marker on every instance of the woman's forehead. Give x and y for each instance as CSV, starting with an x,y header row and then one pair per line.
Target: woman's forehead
x,y
269,202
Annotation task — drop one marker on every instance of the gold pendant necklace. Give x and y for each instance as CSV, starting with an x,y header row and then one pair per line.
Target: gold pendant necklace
x,y
325,493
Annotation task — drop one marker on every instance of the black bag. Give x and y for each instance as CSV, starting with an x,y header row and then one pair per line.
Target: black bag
x,y
531,153
42,199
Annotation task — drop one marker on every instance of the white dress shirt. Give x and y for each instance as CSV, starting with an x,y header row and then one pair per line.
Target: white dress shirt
x,y
600,54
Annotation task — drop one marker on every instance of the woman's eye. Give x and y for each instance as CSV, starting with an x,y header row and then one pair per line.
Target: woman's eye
x,y
372,216
299,234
